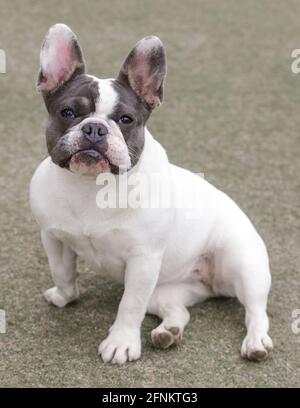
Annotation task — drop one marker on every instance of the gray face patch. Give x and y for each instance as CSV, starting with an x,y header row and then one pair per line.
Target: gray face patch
x,y
80,94
129,104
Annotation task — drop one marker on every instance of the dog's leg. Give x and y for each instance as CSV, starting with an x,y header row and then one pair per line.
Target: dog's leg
x,y
124,340
257,343
252,285
169,302
62,262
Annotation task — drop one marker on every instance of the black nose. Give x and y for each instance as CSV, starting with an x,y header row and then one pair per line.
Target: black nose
x,y
94,132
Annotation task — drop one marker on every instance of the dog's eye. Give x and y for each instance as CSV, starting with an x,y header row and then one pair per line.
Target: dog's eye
x,y
125,120
68,113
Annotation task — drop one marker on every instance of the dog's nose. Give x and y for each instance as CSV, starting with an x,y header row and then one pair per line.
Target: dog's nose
x,y
94,132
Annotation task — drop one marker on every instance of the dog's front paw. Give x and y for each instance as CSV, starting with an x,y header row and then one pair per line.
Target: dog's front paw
x,y
58,298
256,347
121,346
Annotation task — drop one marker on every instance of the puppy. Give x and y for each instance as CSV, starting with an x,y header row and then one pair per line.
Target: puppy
x,y
169,257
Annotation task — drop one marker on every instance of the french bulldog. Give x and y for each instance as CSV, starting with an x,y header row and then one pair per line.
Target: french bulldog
x,y
169,257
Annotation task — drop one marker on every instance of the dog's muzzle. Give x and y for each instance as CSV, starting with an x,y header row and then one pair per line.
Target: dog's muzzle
x,y
90,159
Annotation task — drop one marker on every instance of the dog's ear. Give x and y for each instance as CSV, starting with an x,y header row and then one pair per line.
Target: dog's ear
x,y
144,70
61,58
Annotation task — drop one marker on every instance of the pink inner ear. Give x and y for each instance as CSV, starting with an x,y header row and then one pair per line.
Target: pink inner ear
x,y
64,60
141,79
59,62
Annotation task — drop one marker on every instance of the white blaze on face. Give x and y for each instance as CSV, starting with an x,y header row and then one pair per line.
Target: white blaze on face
x,y
108,97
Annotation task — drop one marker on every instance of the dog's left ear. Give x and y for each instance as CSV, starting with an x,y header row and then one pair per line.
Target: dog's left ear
x,y
144,70
61,58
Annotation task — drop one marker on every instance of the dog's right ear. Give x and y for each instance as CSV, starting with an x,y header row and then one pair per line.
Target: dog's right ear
x,y
61,58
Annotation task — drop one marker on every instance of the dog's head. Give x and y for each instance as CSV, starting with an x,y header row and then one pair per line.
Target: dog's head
x,y
97,125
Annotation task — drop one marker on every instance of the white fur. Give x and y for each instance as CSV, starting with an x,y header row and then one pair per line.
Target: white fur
x,y
168,259
108,97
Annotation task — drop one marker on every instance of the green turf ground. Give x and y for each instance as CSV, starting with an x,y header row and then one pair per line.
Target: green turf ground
x,y
231,110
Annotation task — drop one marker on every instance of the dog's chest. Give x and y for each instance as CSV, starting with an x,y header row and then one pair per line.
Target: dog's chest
x,y
102,245
66,207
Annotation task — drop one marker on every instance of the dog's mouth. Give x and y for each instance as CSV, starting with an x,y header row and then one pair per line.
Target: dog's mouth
x,y
88,156
90,162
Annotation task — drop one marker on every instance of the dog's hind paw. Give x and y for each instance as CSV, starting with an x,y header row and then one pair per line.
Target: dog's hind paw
x,y
164,337
256,348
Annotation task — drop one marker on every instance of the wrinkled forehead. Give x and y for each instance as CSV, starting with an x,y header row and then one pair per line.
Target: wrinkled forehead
x,y
82,87
105,97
